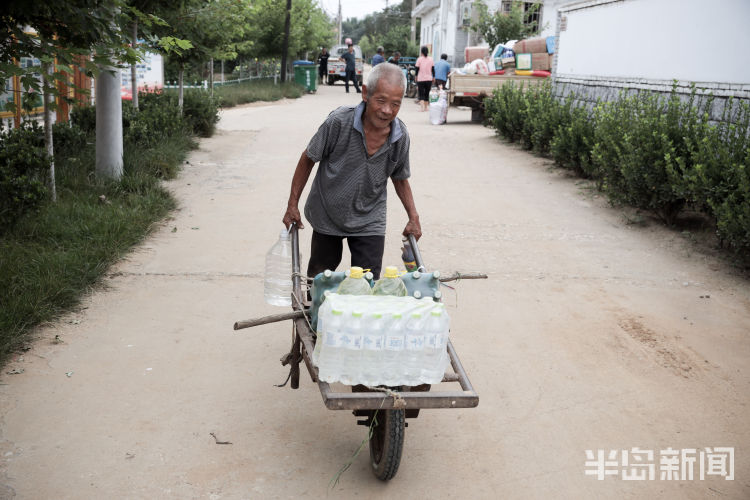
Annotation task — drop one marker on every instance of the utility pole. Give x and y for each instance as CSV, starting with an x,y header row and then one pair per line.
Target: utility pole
x,y
285,48
413,22
338,41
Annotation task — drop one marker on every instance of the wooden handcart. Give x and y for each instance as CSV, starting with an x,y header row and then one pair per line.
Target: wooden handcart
x,y
385,410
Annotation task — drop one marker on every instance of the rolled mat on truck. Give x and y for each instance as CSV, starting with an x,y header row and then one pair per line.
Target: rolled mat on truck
x,y
537,72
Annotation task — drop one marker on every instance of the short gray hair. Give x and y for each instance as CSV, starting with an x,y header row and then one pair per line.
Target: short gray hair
x,y
390,72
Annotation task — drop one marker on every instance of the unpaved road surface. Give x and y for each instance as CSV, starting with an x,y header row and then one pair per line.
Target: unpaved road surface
x,y
592,333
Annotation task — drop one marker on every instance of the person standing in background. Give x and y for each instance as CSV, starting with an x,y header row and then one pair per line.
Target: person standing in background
x,y
425,75
323,64
351,69
442,68
378,57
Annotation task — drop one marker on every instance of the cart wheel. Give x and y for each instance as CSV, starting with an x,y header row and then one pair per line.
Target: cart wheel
x,y
411,90
387,443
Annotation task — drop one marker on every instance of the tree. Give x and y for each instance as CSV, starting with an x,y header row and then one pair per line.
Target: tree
x,y
500,27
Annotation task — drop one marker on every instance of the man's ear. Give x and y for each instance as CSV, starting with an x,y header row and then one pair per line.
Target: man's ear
x,y
364,92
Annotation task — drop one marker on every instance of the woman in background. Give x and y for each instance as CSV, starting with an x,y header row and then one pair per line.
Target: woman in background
x,y
426,73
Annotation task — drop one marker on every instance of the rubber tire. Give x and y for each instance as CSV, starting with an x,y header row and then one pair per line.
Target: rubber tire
x,y
331,80
411,90
387,443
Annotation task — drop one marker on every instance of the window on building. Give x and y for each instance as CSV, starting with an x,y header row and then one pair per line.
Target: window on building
x,y
532,11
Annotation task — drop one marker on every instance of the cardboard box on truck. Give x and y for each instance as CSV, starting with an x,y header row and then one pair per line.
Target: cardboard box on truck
x,y
533,45
541,60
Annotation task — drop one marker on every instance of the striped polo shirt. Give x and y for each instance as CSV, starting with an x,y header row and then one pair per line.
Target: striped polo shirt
x,y
348,194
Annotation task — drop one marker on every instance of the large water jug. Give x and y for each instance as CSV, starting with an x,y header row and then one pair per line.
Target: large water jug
x,y
393,350
435,346
373,336
278,280
355,283
390,284
413,349
352,349
330,362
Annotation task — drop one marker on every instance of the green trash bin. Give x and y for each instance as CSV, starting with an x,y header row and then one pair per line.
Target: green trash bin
x,y
306,74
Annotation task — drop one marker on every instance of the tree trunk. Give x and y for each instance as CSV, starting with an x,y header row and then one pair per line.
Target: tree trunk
x,y
285,47
211,76
48,140
133,68
179,86
109,124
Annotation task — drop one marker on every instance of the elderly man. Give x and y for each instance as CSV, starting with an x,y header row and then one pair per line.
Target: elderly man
x,y
359,148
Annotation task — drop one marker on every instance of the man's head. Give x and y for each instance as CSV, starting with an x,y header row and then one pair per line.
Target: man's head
x,y
324,50
350,48
396,55
383,93
444,56
380,50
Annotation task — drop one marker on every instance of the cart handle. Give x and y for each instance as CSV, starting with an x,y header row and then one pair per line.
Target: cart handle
x,y
417,255
297,287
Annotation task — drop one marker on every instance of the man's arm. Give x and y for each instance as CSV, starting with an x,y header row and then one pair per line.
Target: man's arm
x,y
299,180
403,190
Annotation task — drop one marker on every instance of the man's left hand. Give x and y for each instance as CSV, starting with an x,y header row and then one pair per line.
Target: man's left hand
x,y
413,227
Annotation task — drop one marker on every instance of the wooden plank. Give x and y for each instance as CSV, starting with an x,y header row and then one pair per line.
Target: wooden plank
x,y
381,400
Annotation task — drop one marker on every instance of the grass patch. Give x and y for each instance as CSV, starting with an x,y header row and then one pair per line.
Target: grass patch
x,y
256,90
54,255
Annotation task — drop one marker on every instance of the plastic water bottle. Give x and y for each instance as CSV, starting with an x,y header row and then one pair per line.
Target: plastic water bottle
x,y
393,350
390,284
407,255
278,280
436,340
355,283
434,94
352,349
331,356
414,349
373,338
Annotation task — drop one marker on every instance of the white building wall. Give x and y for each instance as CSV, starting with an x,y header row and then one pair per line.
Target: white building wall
x,y
658,39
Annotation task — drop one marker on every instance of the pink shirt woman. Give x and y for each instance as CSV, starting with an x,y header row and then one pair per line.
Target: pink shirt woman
x,y
425,64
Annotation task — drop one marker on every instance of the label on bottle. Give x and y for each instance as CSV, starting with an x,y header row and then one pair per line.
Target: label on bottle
x,y
372,342
332,339
354,342
433,340
414,342
394,343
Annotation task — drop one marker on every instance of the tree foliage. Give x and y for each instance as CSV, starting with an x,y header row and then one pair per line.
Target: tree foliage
x,y
500,27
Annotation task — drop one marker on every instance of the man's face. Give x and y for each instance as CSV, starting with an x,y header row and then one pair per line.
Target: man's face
x,y
384,104
351,49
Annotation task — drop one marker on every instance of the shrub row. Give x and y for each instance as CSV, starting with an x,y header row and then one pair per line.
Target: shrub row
x,y
659,154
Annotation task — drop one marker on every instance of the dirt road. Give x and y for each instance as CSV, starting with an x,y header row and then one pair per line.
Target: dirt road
x,y
592,333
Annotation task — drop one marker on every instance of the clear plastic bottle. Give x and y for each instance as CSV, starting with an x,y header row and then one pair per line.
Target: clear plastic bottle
x,y
390,284
413,349
393,350
373,338
436,337
355,283
352,349
330,362
277,288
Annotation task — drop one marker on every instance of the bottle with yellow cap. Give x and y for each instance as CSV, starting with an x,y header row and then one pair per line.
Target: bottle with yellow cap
x,y
355,283
390,283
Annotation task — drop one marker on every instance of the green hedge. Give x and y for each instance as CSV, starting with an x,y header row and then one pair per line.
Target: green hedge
x,y
656,153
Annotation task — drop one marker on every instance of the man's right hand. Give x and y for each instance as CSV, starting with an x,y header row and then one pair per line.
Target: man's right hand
x,y
292,215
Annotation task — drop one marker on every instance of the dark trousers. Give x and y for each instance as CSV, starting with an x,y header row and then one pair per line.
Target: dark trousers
x,y
326,251
351,75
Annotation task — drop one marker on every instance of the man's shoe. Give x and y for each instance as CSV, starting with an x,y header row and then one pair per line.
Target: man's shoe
x,y
359,92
